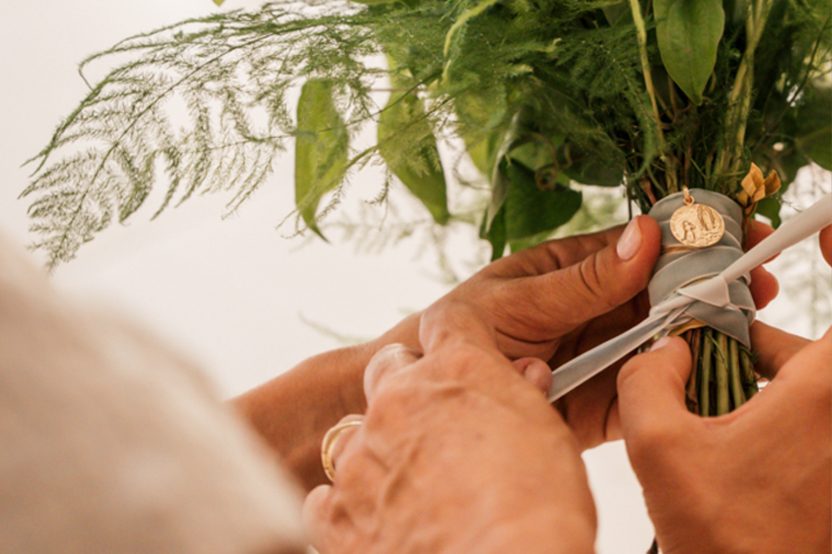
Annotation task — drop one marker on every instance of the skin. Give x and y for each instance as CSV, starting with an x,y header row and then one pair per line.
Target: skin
x,y
755,480
550,302
410,478
826,244
479,423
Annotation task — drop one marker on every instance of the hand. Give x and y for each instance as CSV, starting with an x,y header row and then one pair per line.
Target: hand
x,y
563,297
754,480
555,301
457,453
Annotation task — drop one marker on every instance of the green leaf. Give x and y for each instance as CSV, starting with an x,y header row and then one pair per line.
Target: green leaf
x,y
583,167
481,151
517,245
495,234
511,139
688,32
814,126
470,13
530,210
417,166
618,14
770,207
321,144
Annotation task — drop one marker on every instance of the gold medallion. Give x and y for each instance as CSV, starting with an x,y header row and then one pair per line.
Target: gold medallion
x,y
696,225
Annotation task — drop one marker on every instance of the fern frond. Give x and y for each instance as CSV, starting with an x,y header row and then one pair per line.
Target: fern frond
x,y
228,76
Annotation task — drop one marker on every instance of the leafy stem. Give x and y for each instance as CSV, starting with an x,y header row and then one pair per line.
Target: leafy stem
x,y
641,35
739,99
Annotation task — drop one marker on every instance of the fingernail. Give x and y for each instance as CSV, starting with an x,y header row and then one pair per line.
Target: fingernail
x,y
629,242
659,344
538,374
534,367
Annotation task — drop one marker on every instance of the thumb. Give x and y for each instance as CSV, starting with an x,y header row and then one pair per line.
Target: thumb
x,y
651,395
603,280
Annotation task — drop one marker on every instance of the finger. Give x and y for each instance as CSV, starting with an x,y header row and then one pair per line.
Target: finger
x,y
651,394
599,283
813,362
535,371
344,438
805,376
448,322
773,347
764,287
755,232
554,254
319,514
388,361
826,244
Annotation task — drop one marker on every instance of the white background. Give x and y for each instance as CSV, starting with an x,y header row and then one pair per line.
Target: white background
x,y
233,293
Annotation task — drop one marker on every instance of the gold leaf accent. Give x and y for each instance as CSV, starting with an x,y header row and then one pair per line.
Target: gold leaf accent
x,y
754,188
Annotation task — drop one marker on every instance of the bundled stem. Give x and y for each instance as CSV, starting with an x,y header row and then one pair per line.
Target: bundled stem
x,y
723,377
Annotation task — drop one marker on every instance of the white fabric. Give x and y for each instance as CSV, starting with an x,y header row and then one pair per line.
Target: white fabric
x,y
672,312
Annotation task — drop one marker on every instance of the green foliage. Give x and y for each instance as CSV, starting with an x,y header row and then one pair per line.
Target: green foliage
x,y
531,209
404,119
814,139
688,33
320,148
651,95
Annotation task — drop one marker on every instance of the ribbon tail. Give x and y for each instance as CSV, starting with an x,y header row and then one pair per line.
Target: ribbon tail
x,y
579,370
805,224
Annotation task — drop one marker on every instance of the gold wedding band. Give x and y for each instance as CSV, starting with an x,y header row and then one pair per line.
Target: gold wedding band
x,y
328,444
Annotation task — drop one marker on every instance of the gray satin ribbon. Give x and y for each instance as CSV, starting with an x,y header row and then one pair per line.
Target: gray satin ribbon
x,y
680,268
711,285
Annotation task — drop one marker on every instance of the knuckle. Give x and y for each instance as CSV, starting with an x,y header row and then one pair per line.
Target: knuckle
x,y
590,276
459,362
389,353
390,405
585,281
652,436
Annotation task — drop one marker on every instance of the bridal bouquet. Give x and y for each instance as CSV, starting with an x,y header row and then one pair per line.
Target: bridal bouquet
x,y
701,108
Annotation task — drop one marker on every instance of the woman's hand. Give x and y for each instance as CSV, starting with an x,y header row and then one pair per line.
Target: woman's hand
x,y
457,453
754,480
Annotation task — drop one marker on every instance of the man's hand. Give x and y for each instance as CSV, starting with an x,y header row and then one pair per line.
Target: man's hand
x,y
552,301
457,453
563,297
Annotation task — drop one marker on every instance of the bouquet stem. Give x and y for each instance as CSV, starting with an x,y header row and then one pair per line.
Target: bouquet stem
x,y
723,377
